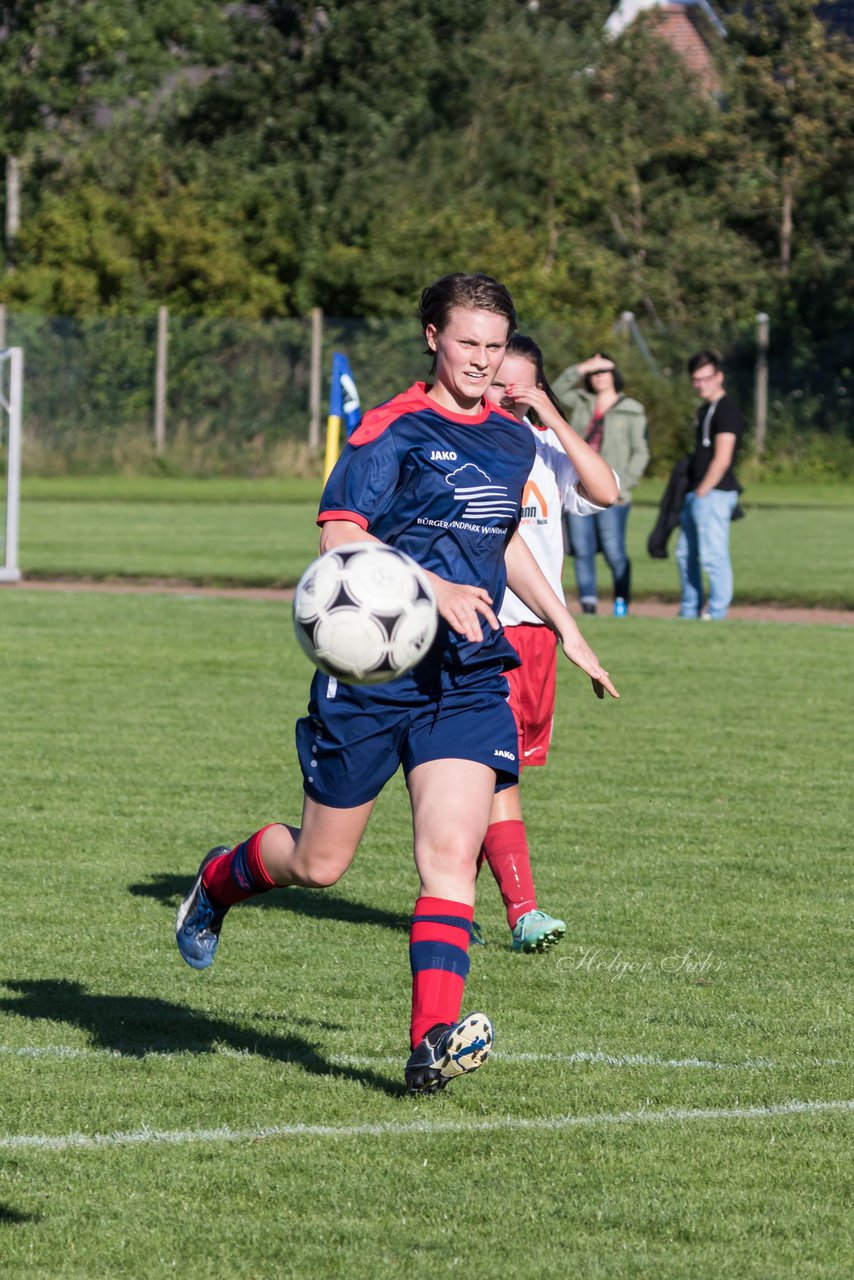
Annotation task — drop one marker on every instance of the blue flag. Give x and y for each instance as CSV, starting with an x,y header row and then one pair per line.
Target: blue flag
x,y
343,396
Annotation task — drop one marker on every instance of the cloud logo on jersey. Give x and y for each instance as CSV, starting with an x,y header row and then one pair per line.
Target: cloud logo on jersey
x,y
483,499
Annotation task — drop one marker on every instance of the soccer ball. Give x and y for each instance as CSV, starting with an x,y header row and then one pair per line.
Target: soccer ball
x,y
365,613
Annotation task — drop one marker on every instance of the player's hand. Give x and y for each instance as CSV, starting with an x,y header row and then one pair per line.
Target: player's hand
x,y
463,606
578,651
532,396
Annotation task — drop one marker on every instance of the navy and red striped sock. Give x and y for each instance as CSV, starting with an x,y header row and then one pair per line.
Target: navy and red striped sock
x,y
238,874
439,936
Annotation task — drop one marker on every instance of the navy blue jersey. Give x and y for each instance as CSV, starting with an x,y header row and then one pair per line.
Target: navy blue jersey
x,y
444,487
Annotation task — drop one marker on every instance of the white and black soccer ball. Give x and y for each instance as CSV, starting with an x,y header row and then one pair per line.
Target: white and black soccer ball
x,y
365,612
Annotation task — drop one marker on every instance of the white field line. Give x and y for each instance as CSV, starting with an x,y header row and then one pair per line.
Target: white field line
x,y
182,1137
579,1058
582,1057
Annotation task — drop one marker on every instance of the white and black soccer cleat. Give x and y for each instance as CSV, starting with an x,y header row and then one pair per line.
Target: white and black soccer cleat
x,y
447,1051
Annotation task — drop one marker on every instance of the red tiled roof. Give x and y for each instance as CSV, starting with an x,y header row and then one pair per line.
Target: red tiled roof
x,y
671,23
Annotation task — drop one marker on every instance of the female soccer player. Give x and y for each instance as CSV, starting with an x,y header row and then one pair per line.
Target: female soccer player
x,y
438,472
567,476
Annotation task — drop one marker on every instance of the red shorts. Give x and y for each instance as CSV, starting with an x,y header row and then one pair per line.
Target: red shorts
x,y
532,690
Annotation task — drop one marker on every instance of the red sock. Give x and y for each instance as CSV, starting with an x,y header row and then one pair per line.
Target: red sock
x,y
239,874
509,861
438,953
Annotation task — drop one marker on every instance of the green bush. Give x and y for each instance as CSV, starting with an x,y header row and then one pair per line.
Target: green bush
x,y
810,456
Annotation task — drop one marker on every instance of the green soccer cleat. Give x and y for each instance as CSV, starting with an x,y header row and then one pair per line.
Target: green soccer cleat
x,y
537,931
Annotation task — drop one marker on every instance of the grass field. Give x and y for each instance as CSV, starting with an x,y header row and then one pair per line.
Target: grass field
x,y
671,1094
122,488
793,547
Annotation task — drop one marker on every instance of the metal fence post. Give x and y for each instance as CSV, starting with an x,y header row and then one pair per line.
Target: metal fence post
x,y
13,209
9,569
761,380
160,381
314,388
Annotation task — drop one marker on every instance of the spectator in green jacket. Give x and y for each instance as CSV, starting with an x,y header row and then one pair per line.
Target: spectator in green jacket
x,y
615,426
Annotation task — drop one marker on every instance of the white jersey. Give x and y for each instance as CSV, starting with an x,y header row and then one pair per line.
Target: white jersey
x,y
551,489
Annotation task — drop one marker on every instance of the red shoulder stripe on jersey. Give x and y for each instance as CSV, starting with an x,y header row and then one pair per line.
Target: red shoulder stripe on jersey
x,y
343,515
375,421
505,413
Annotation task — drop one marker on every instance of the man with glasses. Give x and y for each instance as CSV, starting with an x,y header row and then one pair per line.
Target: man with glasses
x,y
713,491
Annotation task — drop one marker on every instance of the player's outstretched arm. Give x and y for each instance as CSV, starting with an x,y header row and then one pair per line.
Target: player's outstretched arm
x,y
597,481
526,580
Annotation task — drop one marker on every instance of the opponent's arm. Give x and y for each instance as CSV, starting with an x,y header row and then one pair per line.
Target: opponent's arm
x,y
526,580
597,481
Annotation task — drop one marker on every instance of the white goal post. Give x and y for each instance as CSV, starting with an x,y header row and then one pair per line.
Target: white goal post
x,y
11,406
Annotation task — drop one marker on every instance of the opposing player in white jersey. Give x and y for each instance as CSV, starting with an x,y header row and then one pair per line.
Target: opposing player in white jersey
x,y
567,475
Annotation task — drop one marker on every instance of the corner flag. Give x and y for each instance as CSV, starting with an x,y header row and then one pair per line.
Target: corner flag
x,y
343,403
343,396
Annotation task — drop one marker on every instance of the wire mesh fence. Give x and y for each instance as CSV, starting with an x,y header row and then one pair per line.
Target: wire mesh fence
x,y
236,390
250,396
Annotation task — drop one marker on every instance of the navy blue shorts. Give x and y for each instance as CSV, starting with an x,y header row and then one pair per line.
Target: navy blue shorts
x,y
355,737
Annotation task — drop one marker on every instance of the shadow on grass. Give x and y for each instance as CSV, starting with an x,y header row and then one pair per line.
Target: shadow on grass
x,y
13,1218
318,904
134,1026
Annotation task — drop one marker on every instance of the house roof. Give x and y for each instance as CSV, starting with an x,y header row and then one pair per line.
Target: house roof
x,y
838,16
627,10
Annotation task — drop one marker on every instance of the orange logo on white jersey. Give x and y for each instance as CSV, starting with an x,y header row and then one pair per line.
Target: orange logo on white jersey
x,y
531,496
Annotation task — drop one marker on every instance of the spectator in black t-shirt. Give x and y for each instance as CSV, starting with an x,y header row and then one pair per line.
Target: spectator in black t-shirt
x,y
713,490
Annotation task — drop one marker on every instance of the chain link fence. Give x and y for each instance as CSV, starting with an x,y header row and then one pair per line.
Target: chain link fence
x,y
250,397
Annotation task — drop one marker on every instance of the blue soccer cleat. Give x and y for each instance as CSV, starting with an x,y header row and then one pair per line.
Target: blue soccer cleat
x,y
199,921
447,1051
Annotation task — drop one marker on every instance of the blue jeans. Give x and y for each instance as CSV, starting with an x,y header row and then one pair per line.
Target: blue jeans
x,y
606,530
703,547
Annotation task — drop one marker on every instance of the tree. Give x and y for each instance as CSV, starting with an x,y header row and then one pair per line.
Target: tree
x,y
795,89
791,104
61,61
